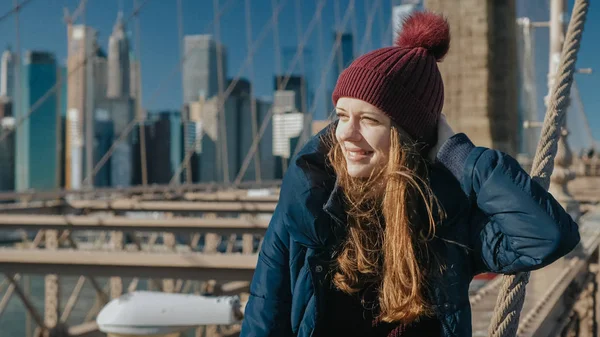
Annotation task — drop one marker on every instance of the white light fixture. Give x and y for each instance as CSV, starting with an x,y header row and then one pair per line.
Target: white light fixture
x,y
145,313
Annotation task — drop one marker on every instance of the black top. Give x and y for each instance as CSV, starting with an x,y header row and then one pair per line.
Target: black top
x,y
355,316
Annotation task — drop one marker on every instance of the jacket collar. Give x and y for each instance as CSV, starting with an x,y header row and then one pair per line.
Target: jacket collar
x,y
335,205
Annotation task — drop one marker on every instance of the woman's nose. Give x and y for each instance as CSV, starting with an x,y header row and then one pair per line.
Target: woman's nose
x,y
349,131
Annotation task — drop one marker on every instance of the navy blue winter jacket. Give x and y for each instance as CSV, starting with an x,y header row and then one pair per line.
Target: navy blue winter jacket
x,y
497,219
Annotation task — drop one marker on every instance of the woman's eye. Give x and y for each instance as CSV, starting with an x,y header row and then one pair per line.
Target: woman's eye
x,y
342,116
370,120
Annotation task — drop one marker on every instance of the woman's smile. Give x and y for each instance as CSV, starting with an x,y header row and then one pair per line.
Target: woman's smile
x,y
358,155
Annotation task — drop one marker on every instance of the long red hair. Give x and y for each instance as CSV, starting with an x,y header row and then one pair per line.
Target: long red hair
x,y
390,222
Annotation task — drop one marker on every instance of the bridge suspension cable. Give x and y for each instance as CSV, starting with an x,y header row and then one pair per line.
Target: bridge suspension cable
x,y
139,111
367,38
278,65
17,63
307,118
251,78
15,9
321,48
390,27
222,138
186,160
505,321
276,45
354,33
339,63
381,25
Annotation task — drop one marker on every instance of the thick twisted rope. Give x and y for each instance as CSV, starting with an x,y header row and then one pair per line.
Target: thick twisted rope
x,y
512,294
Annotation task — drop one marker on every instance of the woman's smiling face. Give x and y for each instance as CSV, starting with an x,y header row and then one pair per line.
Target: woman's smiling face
x,y
363,132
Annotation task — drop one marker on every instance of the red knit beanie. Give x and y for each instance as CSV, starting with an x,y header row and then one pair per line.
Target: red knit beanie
x,y
404,80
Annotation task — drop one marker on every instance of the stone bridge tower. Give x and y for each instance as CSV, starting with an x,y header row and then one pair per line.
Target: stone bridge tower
x,y
480,71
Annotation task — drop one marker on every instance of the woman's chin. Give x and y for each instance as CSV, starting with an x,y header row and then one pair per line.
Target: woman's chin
x,y
358,170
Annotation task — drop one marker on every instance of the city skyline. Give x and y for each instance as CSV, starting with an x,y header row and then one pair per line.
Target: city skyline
x,y
170,94
159,35
164,91
100,107
114,74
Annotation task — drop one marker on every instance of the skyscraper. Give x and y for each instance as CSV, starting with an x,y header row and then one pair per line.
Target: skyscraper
x,y
118,61
7,154
177,147
102,129
175,139
204,69
7,73
288,126
134,79
202,140
103,140
266,158
239,123
80,104
101,67
37,139
63,98
298,85
135,83
201,67
163,132
6,107
119,104
120,111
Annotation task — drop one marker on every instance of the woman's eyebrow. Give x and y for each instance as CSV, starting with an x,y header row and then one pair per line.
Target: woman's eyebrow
x,y
371,113
363,112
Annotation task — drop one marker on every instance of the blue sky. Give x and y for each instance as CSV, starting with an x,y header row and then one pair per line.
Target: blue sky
x,y
42,28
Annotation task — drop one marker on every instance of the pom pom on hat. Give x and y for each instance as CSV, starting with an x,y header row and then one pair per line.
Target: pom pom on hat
x,y
426,30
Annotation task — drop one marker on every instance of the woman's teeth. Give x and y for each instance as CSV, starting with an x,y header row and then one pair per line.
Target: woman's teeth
x,y
358,154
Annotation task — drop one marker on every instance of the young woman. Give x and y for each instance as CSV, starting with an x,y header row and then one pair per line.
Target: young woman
x,y
385,216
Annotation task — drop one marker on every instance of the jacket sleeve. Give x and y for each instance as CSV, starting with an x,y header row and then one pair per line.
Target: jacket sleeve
x,y
267,312
516,225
